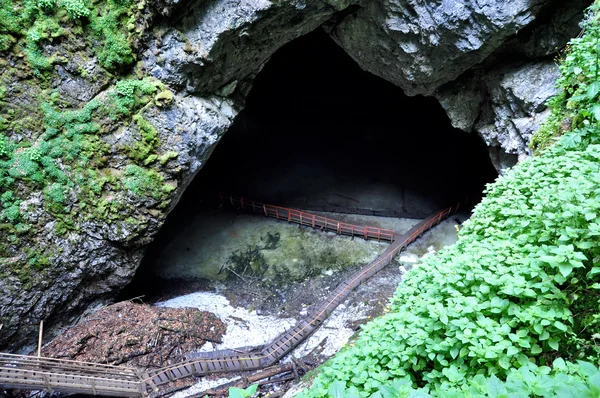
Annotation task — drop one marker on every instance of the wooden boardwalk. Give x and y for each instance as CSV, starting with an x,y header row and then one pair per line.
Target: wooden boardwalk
x,y
34,373
58,375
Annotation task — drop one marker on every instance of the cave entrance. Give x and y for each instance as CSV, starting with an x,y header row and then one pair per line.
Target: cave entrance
x,y
319,133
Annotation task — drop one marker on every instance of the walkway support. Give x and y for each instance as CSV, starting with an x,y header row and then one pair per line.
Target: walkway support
x,y
35,373
199,364
58,375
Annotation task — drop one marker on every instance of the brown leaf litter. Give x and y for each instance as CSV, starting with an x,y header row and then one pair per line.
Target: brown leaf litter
x,y
137,335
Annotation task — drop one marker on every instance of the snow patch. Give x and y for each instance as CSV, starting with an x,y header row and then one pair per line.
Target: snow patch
x,y
244,328
334,333
203,385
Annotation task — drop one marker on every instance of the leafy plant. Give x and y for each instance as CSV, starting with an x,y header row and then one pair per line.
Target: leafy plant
x,y
76,8
576,105
242,393
3,146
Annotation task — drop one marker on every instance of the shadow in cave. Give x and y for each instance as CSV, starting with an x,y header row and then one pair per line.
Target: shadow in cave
x,y
319,133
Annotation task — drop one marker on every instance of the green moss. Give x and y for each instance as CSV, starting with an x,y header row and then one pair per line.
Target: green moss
x,y
146,182
51,148
3,146
142,150
164,98
165,157
111,27
55,197
111,23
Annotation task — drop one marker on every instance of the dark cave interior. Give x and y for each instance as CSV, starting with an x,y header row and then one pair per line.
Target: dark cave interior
x,y
319,133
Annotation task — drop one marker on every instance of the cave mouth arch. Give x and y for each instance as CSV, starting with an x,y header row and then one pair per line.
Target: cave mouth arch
x,y
319,133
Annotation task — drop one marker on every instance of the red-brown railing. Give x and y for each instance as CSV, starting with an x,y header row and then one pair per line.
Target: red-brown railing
x,y
308,219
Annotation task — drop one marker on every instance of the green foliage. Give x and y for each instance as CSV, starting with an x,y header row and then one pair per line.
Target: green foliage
x,y
3,146
577,104
111,28
568,380
518,294
10,206
76,8
67,159
163,159
142,150
133,93
47,4
242,393
502,297
55,196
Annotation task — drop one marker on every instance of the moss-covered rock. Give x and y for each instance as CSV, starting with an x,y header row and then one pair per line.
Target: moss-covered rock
x,y
91,153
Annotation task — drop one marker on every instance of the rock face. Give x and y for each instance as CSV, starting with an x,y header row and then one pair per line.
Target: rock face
x,y
100,256
516,109
420,45
503,98
217,44
505,106
74,225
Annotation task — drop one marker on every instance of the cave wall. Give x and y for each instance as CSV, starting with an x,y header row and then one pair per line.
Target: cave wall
x,y
478,58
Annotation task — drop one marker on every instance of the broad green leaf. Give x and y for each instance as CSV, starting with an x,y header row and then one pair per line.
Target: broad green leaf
x,y
565,269
495,386
593,90
596,111
587,368
504,362
337,389
593,271
590,216
512,350
454,352
559,364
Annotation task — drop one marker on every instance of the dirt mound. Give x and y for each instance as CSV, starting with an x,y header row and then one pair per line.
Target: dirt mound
x,y
138,335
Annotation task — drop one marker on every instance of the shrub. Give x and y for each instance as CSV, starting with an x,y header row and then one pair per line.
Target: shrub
x,y
579,85
501,297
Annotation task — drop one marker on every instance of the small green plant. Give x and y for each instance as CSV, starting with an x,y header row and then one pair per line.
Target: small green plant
x,y
3,146
243,393
579,86
76,8
132,93
567,380
47,4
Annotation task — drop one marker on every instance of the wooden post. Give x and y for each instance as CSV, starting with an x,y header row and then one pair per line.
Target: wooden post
x,y
40,339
